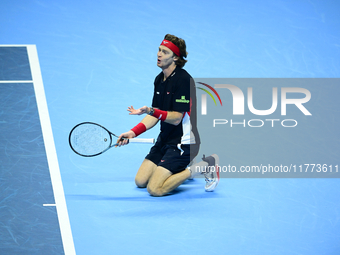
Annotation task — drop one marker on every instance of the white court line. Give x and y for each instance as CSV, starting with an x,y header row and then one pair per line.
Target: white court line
x,y
16,81
49,205
60,202
15,45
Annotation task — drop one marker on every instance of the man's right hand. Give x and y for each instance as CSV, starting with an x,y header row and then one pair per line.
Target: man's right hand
x,y
122,138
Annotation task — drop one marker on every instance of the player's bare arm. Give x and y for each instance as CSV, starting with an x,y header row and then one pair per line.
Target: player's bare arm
x,y
172,117
148,121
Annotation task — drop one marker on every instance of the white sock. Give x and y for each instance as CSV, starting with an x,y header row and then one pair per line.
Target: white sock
x,y
198,168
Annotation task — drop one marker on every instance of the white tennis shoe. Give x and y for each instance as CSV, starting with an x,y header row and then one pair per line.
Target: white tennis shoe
x,y
212,174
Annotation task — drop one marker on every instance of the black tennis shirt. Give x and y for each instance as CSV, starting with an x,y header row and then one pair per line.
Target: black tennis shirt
x,y
177,93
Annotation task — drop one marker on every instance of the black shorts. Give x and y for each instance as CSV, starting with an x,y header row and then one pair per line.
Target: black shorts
x,y
173,158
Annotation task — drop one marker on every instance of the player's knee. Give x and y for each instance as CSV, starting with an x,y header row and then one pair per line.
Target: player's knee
x,y
140,182
156,192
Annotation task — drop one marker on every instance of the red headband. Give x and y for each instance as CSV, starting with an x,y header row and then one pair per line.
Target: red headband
x,y
171,46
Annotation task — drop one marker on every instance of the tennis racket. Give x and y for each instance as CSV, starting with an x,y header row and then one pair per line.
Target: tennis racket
x,y
90,139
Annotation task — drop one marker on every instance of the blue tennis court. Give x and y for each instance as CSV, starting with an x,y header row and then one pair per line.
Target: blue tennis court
x,y
66,62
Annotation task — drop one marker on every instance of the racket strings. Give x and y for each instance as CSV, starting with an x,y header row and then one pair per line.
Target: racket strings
x,y
90,139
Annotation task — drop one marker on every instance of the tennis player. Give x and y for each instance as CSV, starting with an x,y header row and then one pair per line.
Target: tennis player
x,y
174,105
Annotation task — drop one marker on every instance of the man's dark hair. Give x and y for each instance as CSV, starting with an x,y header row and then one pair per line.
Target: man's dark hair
x,y
180,43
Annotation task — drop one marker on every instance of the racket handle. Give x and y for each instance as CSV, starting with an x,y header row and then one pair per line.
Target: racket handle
x,y
142,140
